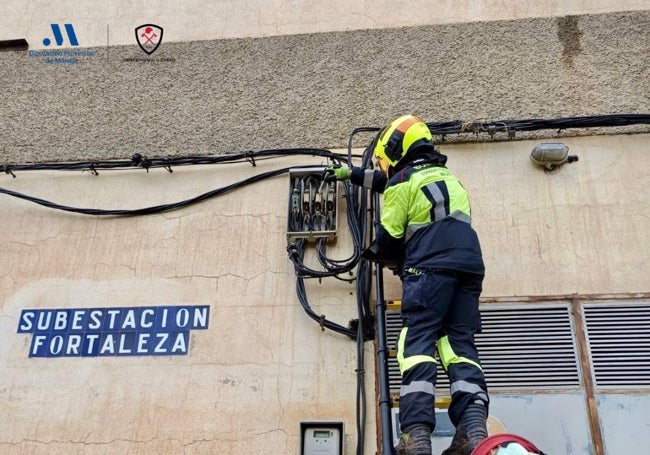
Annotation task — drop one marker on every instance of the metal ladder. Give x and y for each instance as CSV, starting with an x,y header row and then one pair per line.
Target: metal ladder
x,y
387,357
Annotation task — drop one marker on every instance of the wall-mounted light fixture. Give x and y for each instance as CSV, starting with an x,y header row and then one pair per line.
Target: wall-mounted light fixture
x,y
552,155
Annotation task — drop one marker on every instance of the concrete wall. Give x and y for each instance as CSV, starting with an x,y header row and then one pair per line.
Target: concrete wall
x,y
263,365
580,230
239,77
246,382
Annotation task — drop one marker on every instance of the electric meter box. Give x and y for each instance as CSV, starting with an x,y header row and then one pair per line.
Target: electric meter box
x,y
313,205
321,438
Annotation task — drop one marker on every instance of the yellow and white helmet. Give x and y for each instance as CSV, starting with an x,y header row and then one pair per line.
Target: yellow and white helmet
x,y
403,135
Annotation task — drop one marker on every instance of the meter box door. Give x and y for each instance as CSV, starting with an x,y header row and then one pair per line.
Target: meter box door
x,y
440,437
321,438
313,205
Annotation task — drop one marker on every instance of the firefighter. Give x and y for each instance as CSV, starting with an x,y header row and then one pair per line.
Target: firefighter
x,y
425,235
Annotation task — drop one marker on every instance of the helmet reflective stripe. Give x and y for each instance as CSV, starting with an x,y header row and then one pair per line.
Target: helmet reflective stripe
x,y
396,139
394,150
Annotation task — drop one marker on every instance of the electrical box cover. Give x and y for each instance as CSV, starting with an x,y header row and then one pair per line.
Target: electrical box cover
x,y
444,427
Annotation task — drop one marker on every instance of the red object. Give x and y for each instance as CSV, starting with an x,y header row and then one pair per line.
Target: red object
x,y
492,442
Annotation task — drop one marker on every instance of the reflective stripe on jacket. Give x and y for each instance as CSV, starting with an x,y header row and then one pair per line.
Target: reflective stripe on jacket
x,y
426,221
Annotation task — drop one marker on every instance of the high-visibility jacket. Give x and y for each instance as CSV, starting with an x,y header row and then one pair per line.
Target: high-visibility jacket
x,y
425,219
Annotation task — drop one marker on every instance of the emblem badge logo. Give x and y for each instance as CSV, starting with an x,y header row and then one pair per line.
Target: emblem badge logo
x,y
58,35
149,37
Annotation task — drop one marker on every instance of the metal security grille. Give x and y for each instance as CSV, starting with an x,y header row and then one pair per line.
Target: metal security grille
x,y
618,337
521,347
529,347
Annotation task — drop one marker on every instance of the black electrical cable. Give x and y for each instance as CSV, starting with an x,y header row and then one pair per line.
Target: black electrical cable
x,y
140,161
147,210
364,283
510,126
166,163
536,124
296,252
336,266
357,203
251,157
296,255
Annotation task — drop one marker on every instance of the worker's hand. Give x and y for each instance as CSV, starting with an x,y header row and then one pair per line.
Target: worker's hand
x,y
395,268
337,172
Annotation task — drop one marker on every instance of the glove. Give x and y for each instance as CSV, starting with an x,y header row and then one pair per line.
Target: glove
x,y
336,173
372,253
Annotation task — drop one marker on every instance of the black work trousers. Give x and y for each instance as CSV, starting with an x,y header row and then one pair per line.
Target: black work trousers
x,y
439,312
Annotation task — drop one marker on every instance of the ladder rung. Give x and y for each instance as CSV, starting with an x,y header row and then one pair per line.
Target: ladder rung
x,y
393,305
440,402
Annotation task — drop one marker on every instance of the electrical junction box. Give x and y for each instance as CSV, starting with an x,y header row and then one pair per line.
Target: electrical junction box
x,y
313,205
321,438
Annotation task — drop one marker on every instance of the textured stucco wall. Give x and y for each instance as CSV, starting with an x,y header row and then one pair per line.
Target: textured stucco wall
x,y
247,381
263,365
311,90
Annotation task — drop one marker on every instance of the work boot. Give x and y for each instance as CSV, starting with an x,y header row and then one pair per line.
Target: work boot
x,y
415,441
470,431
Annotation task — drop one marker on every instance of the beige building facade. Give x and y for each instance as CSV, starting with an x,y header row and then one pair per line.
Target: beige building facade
x,y
183,331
